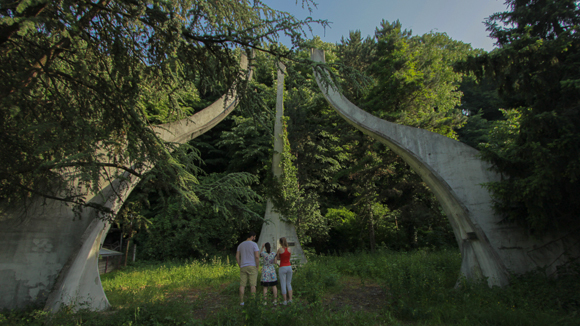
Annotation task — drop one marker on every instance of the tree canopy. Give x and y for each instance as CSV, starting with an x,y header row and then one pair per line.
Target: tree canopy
x,y
83,81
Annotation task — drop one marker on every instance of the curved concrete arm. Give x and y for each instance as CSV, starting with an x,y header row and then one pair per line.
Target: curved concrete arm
x,y
189,128
51,258
450,168
75,282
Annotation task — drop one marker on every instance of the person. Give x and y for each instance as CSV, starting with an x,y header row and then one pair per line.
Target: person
x,y
248,258
269,278
283,255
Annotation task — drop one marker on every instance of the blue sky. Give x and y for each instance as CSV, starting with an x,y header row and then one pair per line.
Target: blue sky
x,y
461,19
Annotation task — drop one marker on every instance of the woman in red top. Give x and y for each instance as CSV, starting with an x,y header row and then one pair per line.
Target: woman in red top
x,y
285,270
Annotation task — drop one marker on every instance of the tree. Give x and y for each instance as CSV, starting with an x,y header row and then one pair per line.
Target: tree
x,y
84,80
359,54
415,81
481,105
536,148
130,221
228,207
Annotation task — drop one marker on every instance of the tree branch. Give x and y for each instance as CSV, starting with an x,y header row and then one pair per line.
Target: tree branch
x,y
76,164
7,31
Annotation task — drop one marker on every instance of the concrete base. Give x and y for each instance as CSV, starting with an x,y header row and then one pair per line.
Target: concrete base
x,y
490,247
274,228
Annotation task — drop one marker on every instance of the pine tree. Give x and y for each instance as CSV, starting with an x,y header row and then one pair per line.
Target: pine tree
x,y
536,148
82,82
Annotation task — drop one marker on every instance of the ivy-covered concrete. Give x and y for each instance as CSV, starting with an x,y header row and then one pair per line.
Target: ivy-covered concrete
x,y
274,228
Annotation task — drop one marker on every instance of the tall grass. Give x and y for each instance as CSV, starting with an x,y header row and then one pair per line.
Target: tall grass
x,y
420,288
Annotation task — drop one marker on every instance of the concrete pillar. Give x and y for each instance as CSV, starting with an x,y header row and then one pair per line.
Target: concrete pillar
x,y
274,227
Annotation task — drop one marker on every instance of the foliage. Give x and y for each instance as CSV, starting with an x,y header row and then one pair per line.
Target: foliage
x,y
392,203
130,220
480,95
313,130
248,145
85,80
535,67
345,232
481,105
415,81
295,204
475,132
228,207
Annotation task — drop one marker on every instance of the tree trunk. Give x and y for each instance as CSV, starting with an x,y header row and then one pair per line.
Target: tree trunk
x,y
127,250
371,230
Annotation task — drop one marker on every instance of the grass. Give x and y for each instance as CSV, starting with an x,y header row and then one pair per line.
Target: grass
x,y
153,283
385,288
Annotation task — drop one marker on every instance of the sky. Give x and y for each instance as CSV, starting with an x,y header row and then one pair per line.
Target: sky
x,y
462,20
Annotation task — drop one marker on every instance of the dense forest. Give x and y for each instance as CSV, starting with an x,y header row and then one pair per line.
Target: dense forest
x,y
346,192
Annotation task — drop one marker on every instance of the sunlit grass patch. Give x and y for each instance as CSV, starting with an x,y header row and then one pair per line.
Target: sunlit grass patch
x,y
155,282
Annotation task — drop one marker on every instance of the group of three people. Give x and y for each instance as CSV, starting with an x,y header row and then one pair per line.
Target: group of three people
x,y
248,258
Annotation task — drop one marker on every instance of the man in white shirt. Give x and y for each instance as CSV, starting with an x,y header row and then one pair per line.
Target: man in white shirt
x,y
248,258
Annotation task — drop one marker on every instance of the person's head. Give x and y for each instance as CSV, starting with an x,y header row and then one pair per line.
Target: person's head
x,y
252,235
267,245
283,242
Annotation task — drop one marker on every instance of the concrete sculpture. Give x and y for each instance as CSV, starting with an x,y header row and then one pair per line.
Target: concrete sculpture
x,y
274,228
490,248
49,257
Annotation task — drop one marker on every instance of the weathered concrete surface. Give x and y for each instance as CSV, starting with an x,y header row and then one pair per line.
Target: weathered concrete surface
x,y
489,247
274,228
49,258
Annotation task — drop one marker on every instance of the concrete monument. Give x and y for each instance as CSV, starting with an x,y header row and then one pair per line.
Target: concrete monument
x,y
274,227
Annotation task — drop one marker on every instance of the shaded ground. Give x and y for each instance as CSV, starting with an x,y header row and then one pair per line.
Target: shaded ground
x,y
368,297
205,301
351,292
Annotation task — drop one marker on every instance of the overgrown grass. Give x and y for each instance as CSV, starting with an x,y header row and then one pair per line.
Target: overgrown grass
x,y
159,282
420,288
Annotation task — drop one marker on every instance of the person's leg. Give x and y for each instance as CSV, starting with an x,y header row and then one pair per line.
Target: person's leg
x,y
264,286
242,288
282,278
289,284
275,292
243,281
253,271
